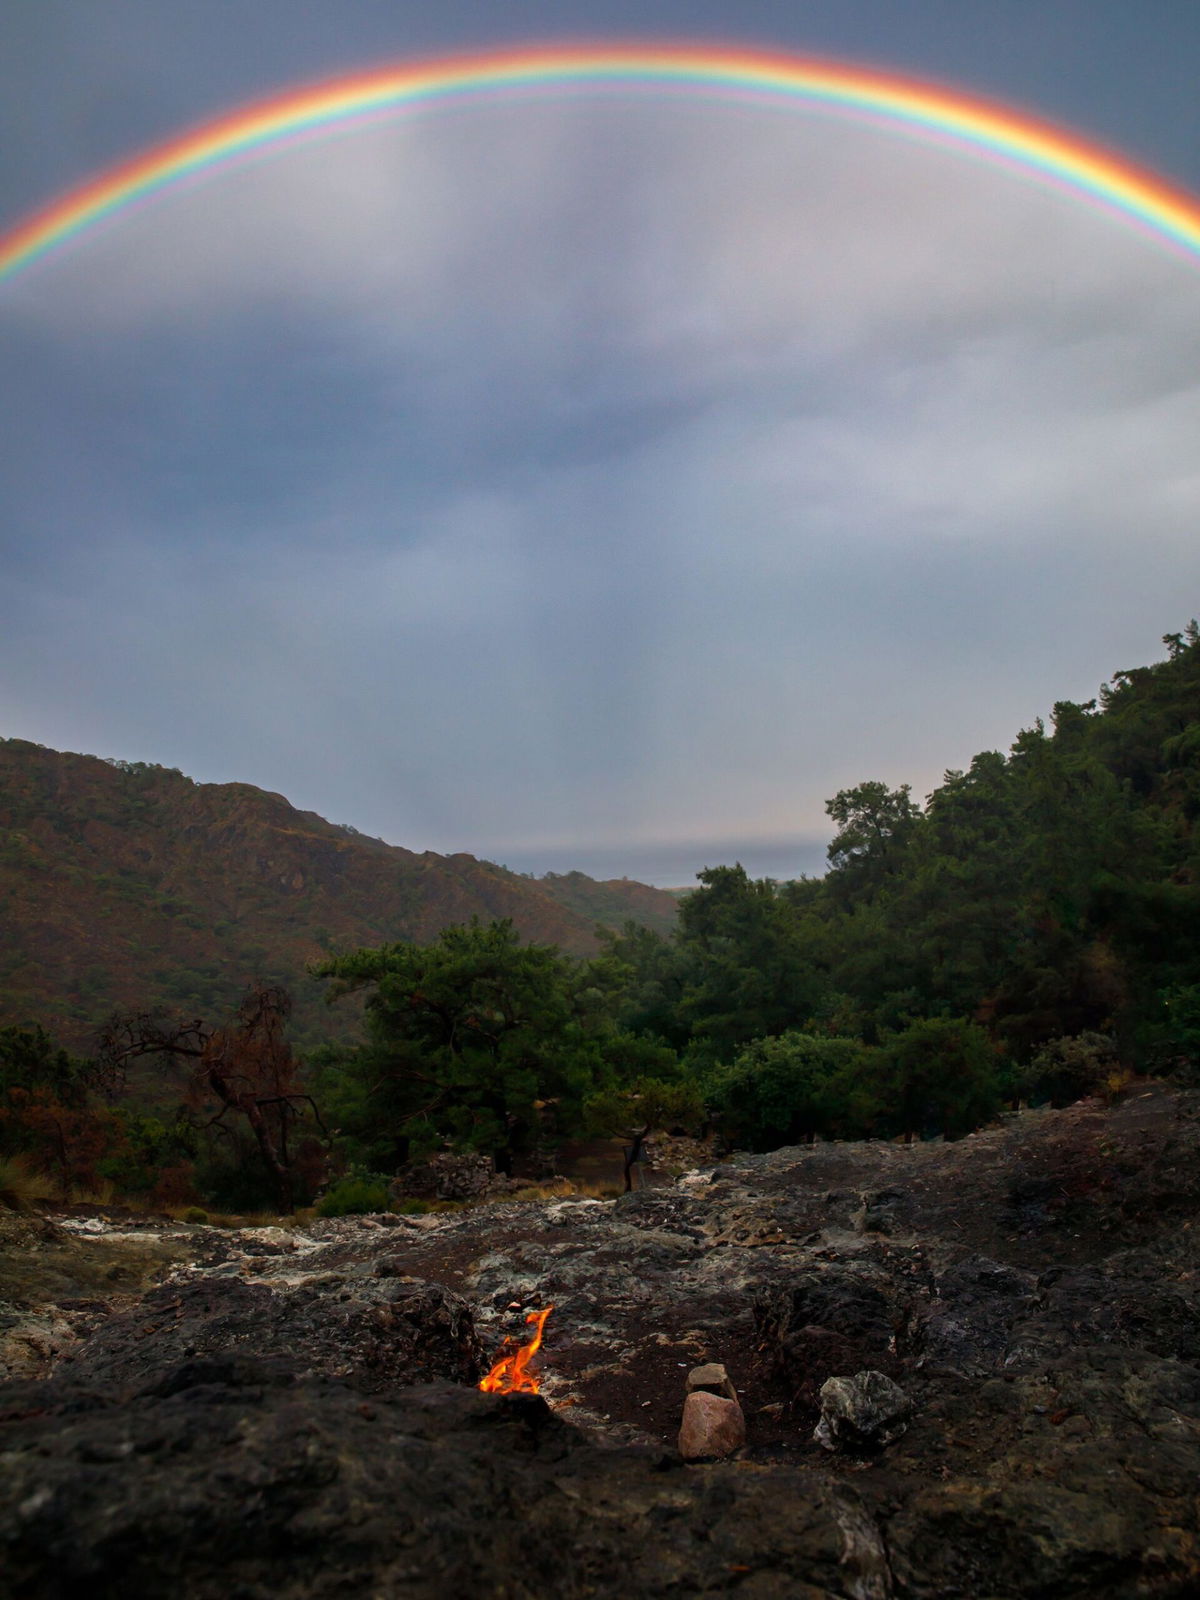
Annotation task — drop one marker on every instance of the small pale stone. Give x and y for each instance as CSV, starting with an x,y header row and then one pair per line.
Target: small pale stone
x,y
712,1426
713,1378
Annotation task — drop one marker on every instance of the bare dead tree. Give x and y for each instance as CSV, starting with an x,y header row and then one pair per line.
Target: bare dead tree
x,y
247,1067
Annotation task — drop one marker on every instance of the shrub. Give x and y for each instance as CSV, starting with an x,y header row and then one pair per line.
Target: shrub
x,y
195,1214
356,1194
65,1140
937,1075
21,1187
149,1159
233,1178
785,1089
174,1186
1066,1069
1170,1036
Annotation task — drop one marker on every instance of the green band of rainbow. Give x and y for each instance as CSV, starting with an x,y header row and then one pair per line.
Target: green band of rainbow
x,y
1040,149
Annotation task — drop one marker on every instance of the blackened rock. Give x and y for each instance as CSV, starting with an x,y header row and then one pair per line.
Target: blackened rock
x,y
837,1299
824,1321
373,1333
1030,1200
877,1212
449,1175
427,1492
1038,1538
1129,1301
968,1328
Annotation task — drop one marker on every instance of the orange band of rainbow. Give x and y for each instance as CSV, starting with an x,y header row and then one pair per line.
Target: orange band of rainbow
x,y
1043,151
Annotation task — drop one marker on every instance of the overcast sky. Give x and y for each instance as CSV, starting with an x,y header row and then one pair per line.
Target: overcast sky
x,y
596,481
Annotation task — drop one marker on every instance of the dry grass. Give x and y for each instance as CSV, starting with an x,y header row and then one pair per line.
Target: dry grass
x,y
1117,1085
22,1188
233,1219
251,1219
539,1191
598,1191
563,1189
101,1193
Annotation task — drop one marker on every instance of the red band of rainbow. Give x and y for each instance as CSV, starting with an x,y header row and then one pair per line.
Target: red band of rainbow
x,y
1037,148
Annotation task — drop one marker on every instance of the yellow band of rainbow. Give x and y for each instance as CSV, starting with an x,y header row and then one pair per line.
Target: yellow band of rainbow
x,y
1042,150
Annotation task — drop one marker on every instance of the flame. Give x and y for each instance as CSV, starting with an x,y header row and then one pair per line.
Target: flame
x,y
510,1374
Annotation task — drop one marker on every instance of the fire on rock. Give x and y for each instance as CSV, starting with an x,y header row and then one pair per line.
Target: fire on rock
x,y
511,1374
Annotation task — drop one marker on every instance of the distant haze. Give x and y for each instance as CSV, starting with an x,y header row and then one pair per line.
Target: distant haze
x,y
674,866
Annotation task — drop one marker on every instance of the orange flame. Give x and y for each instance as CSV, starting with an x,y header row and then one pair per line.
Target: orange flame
x,y
510,1374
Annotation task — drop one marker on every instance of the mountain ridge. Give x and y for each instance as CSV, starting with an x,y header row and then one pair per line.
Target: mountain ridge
x,y
131,886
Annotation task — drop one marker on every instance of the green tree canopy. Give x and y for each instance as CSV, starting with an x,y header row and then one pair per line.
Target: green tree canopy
x,y
875,826
746,972
787,1089
938,1075
468,1040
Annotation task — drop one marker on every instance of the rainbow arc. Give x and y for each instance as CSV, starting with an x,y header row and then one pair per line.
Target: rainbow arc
x,y
975,126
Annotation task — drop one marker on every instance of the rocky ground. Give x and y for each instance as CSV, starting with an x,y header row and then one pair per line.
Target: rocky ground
x,y
293,1412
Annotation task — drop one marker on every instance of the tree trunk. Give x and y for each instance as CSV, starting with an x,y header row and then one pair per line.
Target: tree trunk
x,y
248,1105
632,1154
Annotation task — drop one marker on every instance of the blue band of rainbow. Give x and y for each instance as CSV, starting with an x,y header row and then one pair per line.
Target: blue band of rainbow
x,y
1044,151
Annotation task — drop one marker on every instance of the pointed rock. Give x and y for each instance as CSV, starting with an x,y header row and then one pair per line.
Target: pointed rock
x,y
713,1378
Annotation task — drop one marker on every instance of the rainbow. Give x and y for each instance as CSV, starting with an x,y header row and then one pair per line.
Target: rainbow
x,y
1034,147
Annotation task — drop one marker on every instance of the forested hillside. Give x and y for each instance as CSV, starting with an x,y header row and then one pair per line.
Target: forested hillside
x,y
1043,892
1034,927
127,886
1032,931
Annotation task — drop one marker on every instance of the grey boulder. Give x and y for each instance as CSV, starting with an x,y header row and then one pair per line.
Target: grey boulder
x,y
865,1411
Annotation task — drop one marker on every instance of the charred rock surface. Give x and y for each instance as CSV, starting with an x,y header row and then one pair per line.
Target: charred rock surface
x,y
251,1425
374,1329
235,1479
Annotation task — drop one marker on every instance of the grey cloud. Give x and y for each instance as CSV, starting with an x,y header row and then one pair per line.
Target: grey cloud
x,y
581,474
